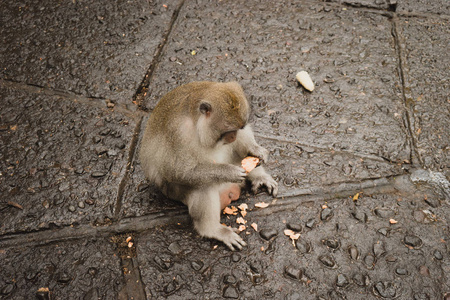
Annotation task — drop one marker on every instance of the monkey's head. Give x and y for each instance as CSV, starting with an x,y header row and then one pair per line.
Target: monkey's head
x,y
223,111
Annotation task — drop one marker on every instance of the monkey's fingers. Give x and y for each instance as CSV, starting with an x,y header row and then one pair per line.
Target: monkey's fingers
x,y
232,240
239,176
266,182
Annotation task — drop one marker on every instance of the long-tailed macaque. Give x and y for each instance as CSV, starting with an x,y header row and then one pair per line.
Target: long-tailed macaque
x,y
192,147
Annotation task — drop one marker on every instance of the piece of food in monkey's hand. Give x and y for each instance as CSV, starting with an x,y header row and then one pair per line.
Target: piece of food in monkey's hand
x,y
249,163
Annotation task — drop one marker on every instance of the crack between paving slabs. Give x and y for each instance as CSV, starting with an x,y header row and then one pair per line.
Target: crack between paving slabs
x,y
131,156
96,102
88,231
142,91
298,197
406,93
327,149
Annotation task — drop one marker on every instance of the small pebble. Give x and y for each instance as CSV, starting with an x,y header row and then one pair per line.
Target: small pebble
x,y
342,280
175,248
292,272
438,255
401,271
197,265
353,251
361,280
98,174
369,260
384,213
413,241
310,223
267,234
229,279
327,260
230,292
303,246
326,214
294,226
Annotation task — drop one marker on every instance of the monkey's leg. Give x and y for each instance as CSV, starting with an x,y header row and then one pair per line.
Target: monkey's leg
x,y
229,193
204,208
259,178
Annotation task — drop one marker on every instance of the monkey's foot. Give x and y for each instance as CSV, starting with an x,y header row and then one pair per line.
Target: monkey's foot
x,y
229,194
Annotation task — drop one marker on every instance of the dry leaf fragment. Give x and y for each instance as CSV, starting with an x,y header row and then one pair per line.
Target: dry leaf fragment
x,y
254,226
392,221
16,205
249,163
241,220
261,204
355,198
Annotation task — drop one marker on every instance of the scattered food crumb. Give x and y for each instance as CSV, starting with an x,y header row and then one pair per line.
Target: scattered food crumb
x,y
241,220
261,205
230,210
254,226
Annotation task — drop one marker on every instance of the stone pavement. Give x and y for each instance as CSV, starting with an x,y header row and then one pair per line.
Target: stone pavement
x,y
362,162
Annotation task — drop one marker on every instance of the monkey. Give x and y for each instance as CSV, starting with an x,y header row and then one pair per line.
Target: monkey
x,y
191,149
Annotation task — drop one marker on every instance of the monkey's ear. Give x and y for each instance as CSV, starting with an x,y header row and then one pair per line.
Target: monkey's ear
x,y
205,108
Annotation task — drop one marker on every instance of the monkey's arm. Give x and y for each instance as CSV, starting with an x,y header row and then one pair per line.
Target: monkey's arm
x,y
246,145
206,173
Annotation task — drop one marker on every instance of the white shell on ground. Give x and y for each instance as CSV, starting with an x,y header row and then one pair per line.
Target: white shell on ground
x,y
305,80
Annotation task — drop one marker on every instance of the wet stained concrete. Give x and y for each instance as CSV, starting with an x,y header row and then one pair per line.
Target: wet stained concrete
x,y
362,161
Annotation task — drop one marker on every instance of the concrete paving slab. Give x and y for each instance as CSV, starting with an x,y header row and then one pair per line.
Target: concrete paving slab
x,y
377,4
61,161
347,249
423,6
77,270
96,49
350,55
426,68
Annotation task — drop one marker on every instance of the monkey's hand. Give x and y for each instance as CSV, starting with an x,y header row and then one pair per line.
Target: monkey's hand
x,y
259,152
260,179
237,174
230,238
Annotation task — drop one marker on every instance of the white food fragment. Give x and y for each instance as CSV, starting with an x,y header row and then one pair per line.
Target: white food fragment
x,y
305,80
